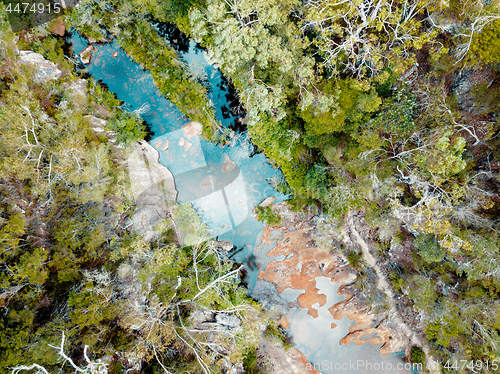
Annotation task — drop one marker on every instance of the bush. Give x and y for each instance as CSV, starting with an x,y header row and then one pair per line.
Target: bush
x,y
355,259
250,362
127,127
268,215
485,46
428,248
417,356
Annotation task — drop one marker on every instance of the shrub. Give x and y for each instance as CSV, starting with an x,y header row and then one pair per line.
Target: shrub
x,y
127,127
485,46
428,248
417,355
268,215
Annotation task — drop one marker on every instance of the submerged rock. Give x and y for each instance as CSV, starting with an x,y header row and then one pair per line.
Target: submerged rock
x,y
187,145
192,129
46,70
165,146
228,165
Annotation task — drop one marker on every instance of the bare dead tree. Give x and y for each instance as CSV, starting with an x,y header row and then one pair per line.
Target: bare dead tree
x,y
92,367
468,34
350,27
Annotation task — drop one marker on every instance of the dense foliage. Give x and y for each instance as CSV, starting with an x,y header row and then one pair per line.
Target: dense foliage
x,y
70,265
382,106
389,107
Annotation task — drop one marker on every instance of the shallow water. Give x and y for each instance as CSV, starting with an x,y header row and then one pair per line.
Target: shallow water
x,y
225,200
320,343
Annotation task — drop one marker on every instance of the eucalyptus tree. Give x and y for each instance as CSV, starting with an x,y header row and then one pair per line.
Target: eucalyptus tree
x,y
365,36
259,45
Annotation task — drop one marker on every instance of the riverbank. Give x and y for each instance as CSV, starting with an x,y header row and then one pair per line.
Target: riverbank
x,y
406,335
307,258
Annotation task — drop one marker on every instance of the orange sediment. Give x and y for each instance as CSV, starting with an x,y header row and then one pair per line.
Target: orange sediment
x,y
305,262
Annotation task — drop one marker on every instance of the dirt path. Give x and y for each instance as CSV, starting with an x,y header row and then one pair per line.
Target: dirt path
x,y
354,221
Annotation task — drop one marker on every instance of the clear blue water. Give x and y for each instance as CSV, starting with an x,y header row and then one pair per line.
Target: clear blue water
x,y
225,199
227,209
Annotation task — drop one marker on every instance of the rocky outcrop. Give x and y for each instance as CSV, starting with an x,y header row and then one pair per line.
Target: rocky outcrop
x,y
98,125
46,70
305,260
228,165
152,186
86,54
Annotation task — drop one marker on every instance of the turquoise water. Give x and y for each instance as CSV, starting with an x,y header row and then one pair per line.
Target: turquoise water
x,y
227,209
225,198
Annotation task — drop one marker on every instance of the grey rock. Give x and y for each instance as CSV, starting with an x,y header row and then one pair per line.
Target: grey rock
x,y
77,91
78,88
229,321
267,201
46,70
223,245
152,186
99,127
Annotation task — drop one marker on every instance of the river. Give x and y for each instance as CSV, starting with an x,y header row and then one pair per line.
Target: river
x,y
225,199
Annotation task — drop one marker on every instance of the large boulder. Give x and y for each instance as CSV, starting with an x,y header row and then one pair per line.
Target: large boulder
x,y
192,129
58,26
152,186
86,54
46,70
